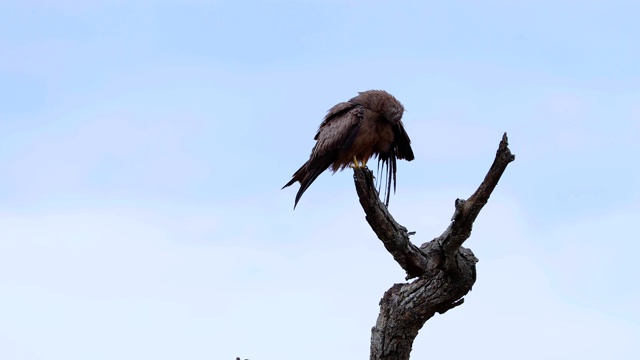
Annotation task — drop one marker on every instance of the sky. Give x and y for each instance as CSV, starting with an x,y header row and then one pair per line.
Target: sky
x,y
143,148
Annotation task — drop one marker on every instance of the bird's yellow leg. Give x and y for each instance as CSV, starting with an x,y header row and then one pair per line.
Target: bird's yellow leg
x,y
364,162
355,163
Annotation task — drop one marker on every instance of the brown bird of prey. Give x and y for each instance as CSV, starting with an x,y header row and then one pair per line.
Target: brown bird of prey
x,y
368,125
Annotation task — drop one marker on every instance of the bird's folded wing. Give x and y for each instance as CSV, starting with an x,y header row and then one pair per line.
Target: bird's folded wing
x,y
338,130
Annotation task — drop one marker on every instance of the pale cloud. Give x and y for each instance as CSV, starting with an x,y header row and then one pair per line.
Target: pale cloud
x,y
587,273
529,321
153,281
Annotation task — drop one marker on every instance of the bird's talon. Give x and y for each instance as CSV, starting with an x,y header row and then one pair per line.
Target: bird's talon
x,y
355,164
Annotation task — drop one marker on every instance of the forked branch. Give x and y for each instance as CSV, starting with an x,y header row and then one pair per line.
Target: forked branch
x,y
445,270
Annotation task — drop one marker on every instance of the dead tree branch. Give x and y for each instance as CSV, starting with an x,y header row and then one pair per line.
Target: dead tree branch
x,y
445,270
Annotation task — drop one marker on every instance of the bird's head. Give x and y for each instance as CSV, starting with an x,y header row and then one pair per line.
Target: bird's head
x,y
393,111
381,102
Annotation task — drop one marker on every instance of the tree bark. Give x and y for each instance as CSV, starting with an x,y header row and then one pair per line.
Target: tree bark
x,y
445,270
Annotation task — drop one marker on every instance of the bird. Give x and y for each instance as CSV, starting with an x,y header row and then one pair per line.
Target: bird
x,y
368,125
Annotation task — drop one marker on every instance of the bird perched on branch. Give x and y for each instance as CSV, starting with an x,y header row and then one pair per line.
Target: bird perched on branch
x,y
369,125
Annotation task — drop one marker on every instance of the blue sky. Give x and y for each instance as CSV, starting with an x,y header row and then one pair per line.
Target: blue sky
x,y
144,147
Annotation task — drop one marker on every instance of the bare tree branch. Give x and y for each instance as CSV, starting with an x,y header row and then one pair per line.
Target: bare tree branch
x,y
467,210
394,236
445,270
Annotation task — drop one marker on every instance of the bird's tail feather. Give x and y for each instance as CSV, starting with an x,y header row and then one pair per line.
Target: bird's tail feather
x,y
310,176
290,183
297,176
387,166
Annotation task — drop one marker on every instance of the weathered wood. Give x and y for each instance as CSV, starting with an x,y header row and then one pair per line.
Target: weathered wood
x,y
445,270
394,236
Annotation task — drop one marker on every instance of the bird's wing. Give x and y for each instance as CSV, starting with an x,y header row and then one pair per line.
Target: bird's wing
x,y
337,131
334,114
403,143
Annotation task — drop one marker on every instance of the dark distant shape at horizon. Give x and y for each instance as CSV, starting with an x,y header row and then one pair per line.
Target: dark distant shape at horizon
x,y
368,125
